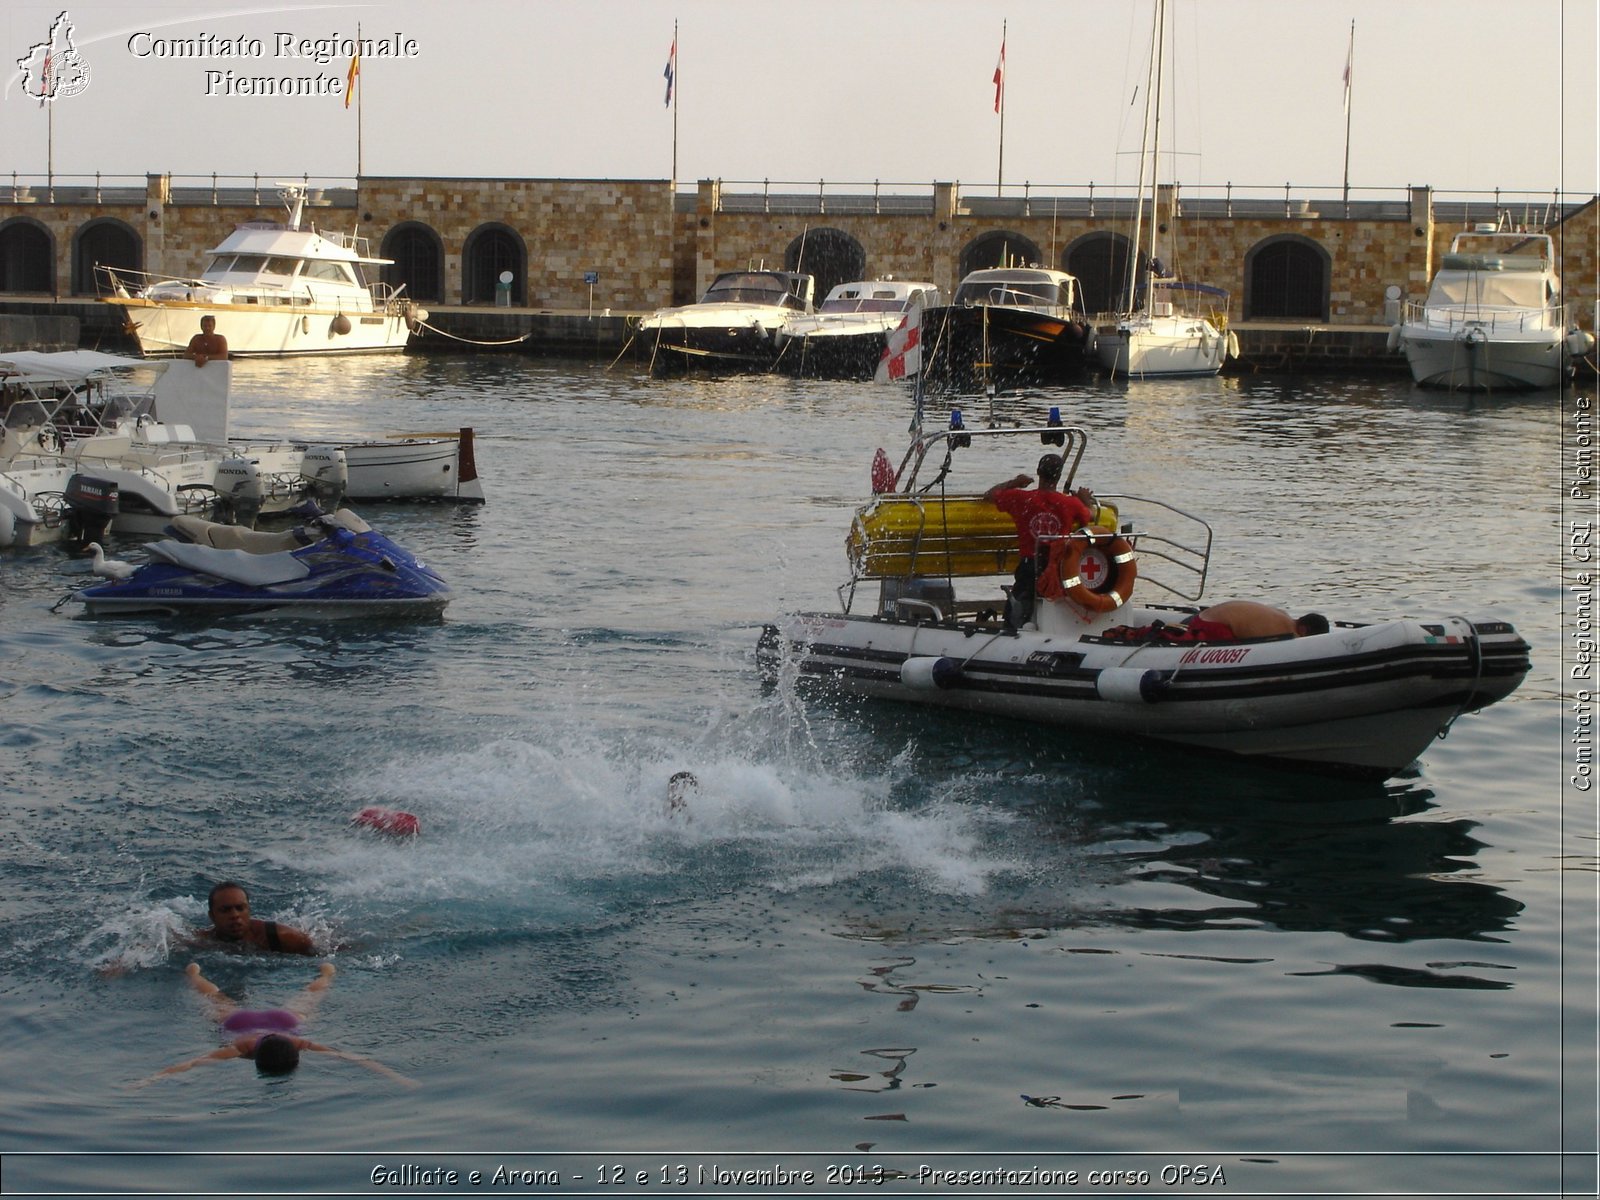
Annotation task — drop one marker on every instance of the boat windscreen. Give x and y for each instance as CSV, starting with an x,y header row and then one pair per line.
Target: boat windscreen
x,y
1490,289
750,288
1022,294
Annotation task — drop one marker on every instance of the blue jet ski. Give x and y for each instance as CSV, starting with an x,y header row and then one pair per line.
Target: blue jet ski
x,y
334,565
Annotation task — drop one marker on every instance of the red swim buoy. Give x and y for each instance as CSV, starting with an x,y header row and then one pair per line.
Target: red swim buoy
x,y
883,479
388,820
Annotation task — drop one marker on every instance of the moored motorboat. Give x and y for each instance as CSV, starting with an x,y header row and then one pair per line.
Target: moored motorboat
x,y
275,289
845,337
1493,317
733,327
1006,326
923,620
334,565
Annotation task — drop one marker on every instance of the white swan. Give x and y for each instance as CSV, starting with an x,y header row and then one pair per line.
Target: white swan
x,y
108,568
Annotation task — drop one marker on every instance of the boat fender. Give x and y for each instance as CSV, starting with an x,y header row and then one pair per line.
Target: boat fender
x,y
927,674
387,820
882,473
1233,344
1579,342
8,527
1394,338
1128,685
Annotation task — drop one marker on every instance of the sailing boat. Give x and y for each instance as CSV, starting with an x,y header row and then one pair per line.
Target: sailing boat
x,y
1157,337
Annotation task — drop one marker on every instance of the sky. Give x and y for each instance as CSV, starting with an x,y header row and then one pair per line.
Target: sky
x,y
1461,95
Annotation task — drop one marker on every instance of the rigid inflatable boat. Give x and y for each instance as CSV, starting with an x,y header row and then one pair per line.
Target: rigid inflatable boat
x,y
923,620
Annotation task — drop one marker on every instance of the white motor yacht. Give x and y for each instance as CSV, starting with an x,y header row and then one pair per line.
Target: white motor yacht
x,y
733,327
275,289
1493,317
845,337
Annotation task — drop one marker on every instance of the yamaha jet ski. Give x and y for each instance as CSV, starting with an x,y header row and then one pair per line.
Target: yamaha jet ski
x,y
334,565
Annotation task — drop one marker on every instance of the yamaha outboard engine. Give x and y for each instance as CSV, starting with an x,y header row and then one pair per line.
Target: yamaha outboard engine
x,y
239,488
91,505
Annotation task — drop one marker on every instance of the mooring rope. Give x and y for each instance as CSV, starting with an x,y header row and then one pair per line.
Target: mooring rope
x,y
472,341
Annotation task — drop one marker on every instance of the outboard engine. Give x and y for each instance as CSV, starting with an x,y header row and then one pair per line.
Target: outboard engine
x,y
240,490
326,474
91,505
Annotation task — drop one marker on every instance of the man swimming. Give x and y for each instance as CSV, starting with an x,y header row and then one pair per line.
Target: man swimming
x,y
231,923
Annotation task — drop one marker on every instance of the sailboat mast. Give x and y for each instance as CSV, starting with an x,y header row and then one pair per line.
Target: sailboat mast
x,y
1155,140
1135,258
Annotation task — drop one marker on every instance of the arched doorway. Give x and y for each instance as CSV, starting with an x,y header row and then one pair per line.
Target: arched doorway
x,y
418,265
999,248
1100,263
488,251
1286,278
27,257
106,242
831,255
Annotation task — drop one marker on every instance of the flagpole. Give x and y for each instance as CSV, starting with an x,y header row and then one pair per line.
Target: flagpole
x,y
361,95
674,194
1349,73
1000,102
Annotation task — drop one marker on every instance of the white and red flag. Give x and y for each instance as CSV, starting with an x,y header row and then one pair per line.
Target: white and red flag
x,y
1000,75
902,357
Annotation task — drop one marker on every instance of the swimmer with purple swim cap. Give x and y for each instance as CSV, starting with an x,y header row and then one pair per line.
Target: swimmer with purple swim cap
x,y
268,1036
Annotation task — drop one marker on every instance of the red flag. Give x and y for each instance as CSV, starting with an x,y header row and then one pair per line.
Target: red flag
x,y
1000,76
350,77
902,356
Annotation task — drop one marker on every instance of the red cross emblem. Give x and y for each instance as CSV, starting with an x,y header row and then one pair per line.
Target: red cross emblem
x,y
1092,568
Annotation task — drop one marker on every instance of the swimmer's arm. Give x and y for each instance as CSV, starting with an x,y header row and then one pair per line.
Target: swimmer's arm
x,y
369,1063
218,1054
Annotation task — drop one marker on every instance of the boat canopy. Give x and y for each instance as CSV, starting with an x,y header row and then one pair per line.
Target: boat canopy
x,y
62,366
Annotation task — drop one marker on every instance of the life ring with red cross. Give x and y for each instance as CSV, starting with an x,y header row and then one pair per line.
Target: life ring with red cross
x,y
1094,568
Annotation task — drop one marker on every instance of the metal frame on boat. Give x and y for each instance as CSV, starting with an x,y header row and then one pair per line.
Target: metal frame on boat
x,y
1363,698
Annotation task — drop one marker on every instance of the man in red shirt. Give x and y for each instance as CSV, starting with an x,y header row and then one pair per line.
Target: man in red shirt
x,y
1044,511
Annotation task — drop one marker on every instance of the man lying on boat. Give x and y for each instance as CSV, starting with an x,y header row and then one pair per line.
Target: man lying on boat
x,y
1042,512
1230,621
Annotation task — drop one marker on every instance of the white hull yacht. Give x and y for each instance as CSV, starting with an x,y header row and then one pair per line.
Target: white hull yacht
x,y
275,290
1493,318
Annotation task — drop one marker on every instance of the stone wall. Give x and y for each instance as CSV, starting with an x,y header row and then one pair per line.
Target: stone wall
x,y
646,255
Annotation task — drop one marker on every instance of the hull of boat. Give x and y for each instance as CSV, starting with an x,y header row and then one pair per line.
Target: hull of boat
x,y
163,328
1364,700
1457,360
973,344
438,468
345,575
727,337
1162,349
33,503
827,353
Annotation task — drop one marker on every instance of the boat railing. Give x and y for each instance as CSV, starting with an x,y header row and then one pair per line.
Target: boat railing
x,y
1182,552
125,283
1493,319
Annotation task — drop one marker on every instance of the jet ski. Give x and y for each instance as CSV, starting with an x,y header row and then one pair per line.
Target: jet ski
x,y
333,565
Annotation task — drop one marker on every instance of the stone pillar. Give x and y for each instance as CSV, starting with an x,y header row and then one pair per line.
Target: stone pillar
x,y
707,205
1421,273
157,195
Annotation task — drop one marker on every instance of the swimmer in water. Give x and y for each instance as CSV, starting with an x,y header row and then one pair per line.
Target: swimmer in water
x,y
232,924
268,1036
678,789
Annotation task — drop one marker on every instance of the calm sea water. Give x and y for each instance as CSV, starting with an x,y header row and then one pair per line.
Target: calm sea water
x,y
886,938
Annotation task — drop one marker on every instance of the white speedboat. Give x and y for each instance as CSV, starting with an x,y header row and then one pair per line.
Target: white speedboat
x,y
845,337
921,621
1006,326
734,325
423,466
275,289
1493,317
1162,335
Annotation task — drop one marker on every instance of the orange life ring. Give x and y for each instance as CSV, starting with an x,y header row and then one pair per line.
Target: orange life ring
x,y
1062,575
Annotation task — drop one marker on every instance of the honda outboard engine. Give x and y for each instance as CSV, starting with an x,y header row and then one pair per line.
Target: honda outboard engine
x,y
327,475
239,487
91,505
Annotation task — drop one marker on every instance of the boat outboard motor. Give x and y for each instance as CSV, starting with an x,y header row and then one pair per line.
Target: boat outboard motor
x,y
91,505
326,473
240,489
